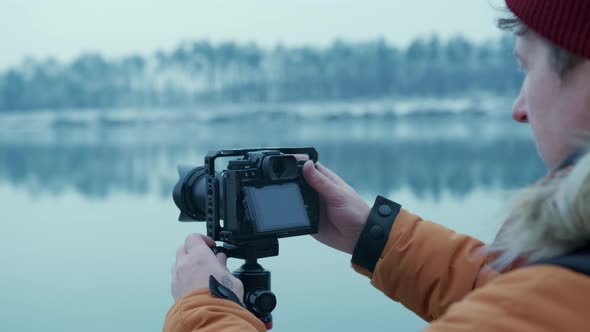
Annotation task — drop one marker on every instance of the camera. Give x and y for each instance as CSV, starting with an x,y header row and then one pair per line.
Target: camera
x,y
259,197
261,194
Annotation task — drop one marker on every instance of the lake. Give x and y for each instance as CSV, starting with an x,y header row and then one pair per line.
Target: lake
x,y
89,232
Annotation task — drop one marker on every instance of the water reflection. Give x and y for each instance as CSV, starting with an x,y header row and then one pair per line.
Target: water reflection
x,y
427,157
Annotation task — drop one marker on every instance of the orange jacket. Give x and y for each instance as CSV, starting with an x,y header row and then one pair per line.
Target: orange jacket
x,y
439,275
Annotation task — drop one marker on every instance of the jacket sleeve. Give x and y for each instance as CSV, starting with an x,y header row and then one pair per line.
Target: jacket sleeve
x,y
428,267
200,311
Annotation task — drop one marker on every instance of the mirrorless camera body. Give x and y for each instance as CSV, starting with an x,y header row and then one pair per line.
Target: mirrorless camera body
x,y
260,194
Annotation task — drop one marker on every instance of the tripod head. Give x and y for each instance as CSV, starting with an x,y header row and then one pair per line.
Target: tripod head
x,y
258,298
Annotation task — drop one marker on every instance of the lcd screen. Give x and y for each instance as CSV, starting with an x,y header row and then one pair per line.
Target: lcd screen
x,y
276,207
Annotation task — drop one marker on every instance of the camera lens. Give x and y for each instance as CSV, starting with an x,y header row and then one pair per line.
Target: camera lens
x,y
190,194
282,167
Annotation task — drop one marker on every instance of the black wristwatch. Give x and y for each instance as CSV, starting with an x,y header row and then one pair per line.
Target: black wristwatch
x,y
375,234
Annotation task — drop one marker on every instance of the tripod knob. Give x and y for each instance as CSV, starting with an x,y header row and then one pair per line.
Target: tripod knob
x,y
262,301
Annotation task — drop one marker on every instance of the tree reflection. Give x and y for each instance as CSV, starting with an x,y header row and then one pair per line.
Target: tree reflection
x,y
427,168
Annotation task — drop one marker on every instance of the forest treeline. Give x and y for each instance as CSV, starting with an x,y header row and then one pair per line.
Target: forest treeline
x,y
203,72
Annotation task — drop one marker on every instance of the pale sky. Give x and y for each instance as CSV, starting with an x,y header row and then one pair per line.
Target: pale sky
x,y
66,28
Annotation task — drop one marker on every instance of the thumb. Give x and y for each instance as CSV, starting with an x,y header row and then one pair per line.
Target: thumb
x,y
319,181
222,258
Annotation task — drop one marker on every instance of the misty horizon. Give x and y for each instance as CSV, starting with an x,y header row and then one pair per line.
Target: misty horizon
x,y
63,29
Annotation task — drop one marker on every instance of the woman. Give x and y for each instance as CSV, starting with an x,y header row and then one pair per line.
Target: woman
x,y
455,281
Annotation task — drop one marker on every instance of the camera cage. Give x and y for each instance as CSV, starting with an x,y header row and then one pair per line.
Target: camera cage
x,y
212,214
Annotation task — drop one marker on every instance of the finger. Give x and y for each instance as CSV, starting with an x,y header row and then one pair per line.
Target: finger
x,y
194,241
301,156
331,175
209,241
181,252
222,258
319,181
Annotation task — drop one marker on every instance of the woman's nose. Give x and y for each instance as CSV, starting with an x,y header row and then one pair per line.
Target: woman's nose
x,y
519,110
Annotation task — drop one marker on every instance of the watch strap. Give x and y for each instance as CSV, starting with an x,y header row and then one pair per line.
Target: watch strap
x,y
222,292
375,233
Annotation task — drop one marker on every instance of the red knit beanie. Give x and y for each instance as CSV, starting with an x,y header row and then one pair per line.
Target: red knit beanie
x,y
566,23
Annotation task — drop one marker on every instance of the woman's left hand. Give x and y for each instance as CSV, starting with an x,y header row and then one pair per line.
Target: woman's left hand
x,y
195,262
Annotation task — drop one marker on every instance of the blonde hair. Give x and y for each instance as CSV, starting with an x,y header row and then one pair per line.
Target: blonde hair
x,y
547,219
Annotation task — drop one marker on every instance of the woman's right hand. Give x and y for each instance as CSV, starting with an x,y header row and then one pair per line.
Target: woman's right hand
x,y
343,213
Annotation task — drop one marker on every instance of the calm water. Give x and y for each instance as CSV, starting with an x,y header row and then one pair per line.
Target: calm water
x,y
88,227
